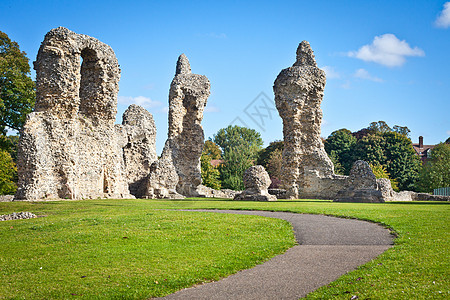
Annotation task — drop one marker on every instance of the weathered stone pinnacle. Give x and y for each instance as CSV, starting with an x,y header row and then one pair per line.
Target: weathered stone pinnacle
x,y
178,172
305,55
183,66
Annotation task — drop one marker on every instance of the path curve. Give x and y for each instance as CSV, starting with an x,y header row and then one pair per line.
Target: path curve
x,y
328,248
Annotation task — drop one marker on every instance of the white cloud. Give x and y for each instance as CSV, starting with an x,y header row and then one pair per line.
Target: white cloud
x,y
165,109
444,18
448,132
139,100
364,74
211,108
387,50
330,72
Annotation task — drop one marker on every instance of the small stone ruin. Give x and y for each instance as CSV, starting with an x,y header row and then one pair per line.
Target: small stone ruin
x,y
256,183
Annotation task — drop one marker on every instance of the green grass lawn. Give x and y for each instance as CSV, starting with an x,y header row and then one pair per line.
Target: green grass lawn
x,y
136,249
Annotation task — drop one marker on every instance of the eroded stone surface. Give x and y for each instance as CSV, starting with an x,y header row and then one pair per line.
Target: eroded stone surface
x,y
256,183
298,95
178,171
306,170
69,146
140,150
361,185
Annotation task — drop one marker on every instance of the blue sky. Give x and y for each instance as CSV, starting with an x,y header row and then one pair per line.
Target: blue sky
x,y
385,60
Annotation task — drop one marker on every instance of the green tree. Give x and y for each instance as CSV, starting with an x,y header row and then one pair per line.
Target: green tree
x,y
210,174
340,144
436,171
236,136
237,160
338,169
17,90
212,150
264,154
402,162
379,126
240,147
402,130
395,152
380,172
8,174
371,149
274,163
447,141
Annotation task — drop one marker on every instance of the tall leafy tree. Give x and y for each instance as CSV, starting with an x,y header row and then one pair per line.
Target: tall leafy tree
x,y
402,162
393,151
210,174
17,90
212,150
8,173
340,145
240,147
379,126
436,171
264,154
402,130
236,136
237,160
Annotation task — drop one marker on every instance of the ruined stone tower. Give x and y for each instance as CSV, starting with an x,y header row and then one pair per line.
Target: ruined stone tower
x,y
178,172
69,146
306,170
298,95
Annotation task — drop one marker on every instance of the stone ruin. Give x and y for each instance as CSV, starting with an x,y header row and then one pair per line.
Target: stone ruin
x,y
307,172
70,147
178,171
256,182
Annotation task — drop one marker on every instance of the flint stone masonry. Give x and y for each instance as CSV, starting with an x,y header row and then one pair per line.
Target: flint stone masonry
x,y
18,216
360,186
140,150
256,183
178,171
306,170
69,146
298,95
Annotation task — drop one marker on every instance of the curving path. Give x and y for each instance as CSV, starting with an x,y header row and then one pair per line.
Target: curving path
x,y
328,248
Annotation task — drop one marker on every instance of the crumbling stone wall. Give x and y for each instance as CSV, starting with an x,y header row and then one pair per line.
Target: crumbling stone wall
x,y
69,146
298,95
178,171
306,170
140,150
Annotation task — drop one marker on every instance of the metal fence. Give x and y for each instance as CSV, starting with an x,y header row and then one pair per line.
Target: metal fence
x,y
442,191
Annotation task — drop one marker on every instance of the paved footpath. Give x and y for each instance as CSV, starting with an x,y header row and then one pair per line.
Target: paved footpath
x,y
328,248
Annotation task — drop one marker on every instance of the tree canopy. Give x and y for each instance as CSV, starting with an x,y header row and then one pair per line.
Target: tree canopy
x,y
236,136
339,146
8,174
17,90
212,150
436,171
240,147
